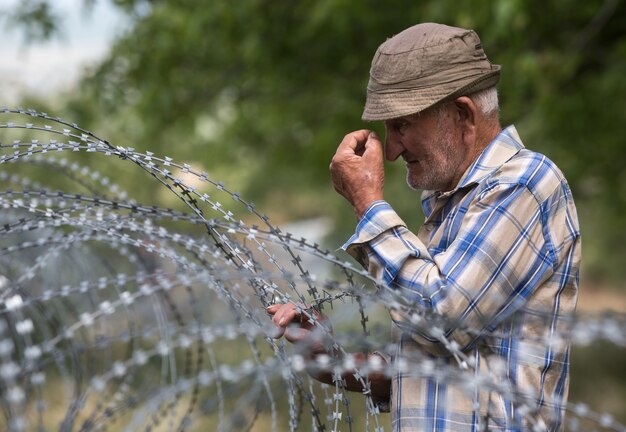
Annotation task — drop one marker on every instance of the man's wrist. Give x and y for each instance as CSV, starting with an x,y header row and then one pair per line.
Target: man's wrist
x,y
361,208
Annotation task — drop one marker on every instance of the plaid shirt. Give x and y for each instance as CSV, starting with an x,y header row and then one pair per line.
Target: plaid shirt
x,y
497,261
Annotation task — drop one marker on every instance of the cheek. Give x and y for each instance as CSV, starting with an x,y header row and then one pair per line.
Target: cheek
x,y
416,148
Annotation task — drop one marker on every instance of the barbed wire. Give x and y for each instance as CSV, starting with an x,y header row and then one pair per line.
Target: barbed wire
x,y
119,314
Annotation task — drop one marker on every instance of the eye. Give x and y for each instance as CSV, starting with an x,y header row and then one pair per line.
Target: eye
x,y
397,126
400,126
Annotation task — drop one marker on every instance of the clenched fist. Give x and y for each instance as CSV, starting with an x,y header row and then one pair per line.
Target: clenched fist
x,y
357,170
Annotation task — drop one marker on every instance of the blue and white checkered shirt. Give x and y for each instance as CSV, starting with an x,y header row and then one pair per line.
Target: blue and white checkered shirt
x,y
497,261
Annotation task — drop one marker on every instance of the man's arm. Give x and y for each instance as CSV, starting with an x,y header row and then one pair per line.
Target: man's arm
x,y
487,272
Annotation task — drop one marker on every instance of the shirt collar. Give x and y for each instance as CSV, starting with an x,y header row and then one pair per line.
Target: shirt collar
x,y
504,146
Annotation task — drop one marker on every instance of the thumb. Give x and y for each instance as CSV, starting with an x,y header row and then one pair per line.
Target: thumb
x,y
373,145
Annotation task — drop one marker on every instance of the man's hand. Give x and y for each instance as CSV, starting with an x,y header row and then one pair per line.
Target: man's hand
x,y
297,329
357,170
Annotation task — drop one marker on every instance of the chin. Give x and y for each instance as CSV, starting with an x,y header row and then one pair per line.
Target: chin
x,y
413,184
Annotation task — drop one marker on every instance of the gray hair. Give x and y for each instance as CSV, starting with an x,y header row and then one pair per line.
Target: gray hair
x,y
487,101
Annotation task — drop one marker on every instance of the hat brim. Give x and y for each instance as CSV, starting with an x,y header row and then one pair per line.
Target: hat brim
x,y
402,102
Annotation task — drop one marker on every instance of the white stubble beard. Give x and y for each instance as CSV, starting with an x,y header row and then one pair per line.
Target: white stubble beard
x,y
439,168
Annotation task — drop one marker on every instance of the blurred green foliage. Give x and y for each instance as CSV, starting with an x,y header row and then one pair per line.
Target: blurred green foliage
x,y
260,92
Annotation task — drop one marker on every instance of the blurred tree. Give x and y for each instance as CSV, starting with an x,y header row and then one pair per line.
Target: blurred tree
x,y
260,92
36,18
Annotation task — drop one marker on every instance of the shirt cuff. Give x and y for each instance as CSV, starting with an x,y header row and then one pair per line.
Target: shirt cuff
x,y
378,218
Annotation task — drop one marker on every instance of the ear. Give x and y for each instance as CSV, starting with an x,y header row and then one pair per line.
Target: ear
x,y
467,116
466,111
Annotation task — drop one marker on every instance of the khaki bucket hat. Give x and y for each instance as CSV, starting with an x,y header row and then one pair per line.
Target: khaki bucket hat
x,y
426,64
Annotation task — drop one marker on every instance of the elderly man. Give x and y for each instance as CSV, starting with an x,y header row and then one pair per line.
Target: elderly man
x,y
495,263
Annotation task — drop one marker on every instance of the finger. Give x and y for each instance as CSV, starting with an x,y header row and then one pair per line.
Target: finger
x,y
272,309
373,143
278,332
310,340
373,138
309,319
285,314
353,141
296,335
281,318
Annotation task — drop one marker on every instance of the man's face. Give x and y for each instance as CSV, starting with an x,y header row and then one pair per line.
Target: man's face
x,y
431,147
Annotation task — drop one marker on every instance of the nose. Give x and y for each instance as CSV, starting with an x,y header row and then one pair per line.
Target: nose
x,y
393,145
